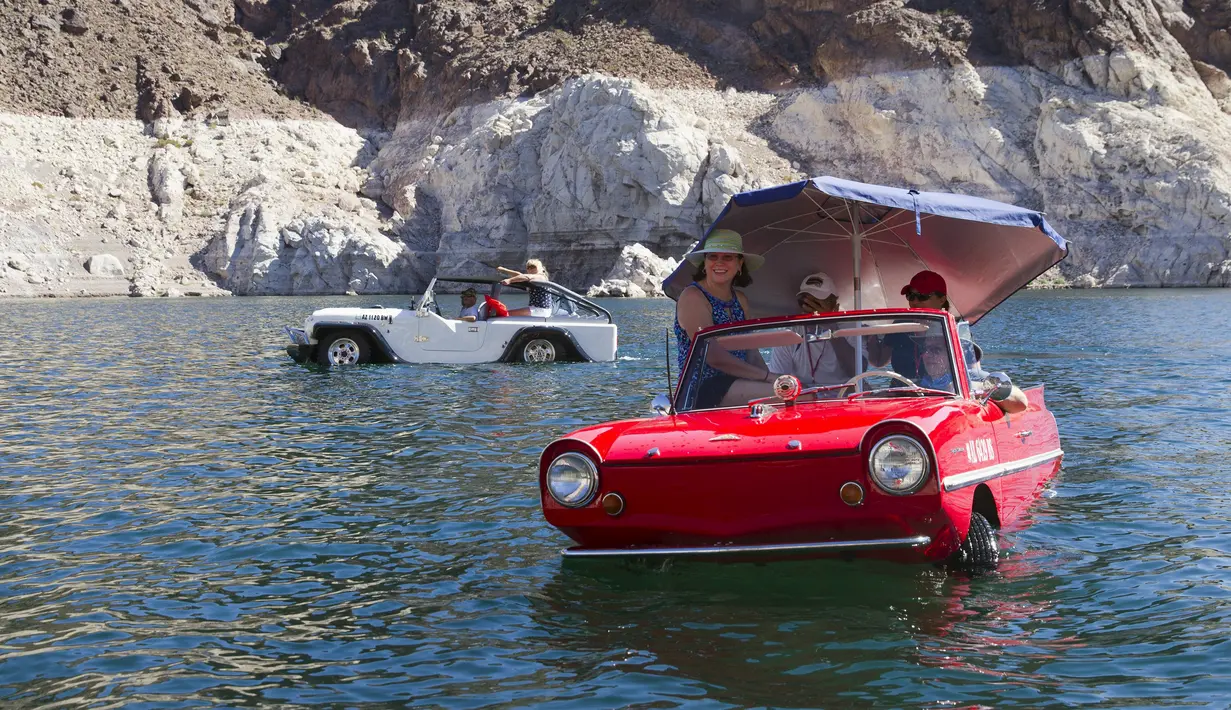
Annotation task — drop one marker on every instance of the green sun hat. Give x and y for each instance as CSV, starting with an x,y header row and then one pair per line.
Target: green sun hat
x,y
728,242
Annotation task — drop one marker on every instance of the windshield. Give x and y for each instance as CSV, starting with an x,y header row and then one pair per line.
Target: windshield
x,y
556,301
549,300
822,352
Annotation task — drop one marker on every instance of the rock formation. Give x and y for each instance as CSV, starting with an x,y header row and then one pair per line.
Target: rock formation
x,y
451,136
637,273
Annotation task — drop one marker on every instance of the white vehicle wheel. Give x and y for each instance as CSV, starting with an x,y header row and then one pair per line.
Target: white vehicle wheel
x,y
539,350
344,350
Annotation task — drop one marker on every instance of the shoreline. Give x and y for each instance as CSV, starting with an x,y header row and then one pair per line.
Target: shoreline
x,y
225,294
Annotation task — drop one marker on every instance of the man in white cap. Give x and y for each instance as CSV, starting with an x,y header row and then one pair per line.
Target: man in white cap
x,y
825,362
817,294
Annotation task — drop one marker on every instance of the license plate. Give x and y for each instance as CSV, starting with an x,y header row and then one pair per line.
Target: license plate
x,y
297,335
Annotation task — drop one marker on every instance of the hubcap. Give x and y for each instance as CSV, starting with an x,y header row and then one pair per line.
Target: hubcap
x,y
344,351
539,351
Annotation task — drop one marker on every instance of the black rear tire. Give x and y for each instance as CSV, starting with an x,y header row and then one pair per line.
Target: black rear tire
x,y
979,551
343,349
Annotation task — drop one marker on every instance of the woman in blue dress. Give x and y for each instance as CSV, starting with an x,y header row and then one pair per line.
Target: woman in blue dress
x,y
728,378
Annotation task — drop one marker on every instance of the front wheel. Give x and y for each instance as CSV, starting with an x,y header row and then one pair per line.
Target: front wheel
x,y
539,350
344,349
979,550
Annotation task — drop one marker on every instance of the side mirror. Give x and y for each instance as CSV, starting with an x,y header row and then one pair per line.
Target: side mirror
x,y
997,387
662,406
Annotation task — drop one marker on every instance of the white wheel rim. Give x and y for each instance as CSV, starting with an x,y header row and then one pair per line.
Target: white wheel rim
x,y
540,351
344,351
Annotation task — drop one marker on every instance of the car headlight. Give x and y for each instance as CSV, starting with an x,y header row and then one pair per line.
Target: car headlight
x,y
898,465
572,480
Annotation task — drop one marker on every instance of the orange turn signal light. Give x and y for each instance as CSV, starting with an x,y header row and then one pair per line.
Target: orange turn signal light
x,y
852,493
613,504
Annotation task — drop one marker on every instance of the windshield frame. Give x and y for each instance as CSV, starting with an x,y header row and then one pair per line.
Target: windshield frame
x,y
429,295
957,364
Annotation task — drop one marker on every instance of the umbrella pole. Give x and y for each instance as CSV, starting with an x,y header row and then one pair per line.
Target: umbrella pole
x,y
857,240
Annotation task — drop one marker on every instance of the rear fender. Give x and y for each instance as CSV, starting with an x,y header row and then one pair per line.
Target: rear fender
x,y
985,505
525,335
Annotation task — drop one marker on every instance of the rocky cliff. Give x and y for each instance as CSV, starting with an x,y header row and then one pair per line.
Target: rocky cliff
x,y
285,146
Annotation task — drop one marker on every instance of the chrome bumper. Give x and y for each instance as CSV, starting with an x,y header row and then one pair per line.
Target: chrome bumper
x,y
301,348
791,548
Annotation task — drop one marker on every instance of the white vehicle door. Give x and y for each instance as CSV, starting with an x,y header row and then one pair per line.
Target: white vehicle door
x,y
446,334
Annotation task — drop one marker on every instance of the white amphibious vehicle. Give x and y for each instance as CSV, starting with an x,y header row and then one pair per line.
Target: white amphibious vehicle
x,y
577,330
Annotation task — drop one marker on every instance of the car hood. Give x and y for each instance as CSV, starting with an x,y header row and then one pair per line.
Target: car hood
x,y
826,428
353,312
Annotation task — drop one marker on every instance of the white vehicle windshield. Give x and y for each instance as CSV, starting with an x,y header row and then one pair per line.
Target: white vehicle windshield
x,y
823,352
550,300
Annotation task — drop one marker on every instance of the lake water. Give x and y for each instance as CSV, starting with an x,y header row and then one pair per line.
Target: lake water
x,y
188,519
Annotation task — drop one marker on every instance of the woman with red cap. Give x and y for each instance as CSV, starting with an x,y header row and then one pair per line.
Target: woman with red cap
x,y
927,289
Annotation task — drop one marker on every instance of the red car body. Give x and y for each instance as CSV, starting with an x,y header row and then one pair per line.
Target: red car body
x,y
734,481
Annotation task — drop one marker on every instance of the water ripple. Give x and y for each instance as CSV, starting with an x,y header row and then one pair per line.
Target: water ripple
x,y
191,520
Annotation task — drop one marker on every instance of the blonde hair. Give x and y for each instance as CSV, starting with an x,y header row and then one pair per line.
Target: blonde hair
x,y
538,265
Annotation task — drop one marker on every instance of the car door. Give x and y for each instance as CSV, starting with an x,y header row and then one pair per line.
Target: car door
x,y
439,334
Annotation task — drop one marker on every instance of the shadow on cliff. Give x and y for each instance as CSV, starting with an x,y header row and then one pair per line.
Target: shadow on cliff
x,y
365,63
340,57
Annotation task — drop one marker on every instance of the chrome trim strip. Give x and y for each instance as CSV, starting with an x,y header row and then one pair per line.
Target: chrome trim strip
x,y
831,546
980,475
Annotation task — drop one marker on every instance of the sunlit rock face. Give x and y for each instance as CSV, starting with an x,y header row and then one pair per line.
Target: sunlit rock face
x,y
572,176
1135,175
272,244
636,274
1131,169
1109,117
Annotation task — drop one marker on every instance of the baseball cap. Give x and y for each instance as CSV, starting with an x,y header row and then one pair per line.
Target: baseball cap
x,y
926,282
470,292
818,285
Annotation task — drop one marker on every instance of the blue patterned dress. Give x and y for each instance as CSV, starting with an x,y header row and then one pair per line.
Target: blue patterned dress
x,y
722,312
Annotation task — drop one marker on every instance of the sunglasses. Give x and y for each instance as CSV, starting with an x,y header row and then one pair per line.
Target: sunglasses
x,y
938,350
916,296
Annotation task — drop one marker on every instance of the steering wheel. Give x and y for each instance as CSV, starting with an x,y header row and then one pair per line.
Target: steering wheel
x,y
854,381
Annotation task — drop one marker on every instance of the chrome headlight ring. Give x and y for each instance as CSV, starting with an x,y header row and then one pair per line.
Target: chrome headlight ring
x,y
572,479
898,465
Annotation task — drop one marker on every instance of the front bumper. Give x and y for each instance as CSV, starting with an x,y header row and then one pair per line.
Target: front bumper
x,y
775,549
301,348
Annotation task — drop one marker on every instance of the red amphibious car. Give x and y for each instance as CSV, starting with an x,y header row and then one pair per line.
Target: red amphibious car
x,y
881,467
917,464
